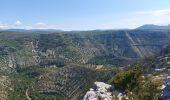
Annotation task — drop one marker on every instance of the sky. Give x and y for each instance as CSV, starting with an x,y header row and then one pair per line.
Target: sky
x,y
82,14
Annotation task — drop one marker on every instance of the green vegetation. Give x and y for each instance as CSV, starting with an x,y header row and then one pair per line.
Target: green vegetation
x,y
23,81
137,87
20,83
11,43
47,97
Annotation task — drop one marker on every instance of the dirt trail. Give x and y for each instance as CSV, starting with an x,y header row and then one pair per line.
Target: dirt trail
x,y
26,93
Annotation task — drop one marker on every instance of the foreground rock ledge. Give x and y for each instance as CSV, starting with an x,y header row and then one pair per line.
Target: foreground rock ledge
x,y
100,91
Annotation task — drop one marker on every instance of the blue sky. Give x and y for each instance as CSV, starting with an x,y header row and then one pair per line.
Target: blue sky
x,y
83,14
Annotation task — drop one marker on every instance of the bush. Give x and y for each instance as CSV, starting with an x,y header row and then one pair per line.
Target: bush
x,y
135,86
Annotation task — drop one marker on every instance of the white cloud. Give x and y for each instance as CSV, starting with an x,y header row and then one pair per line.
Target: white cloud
x,y
18,23
3,26
155,12
41,24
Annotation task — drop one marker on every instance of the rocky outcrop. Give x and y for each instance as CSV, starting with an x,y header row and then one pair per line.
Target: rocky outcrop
x,y
100,91
103,91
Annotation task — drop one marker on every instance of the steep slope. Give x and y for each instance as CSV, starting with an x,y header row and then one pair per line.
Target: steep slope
x,y
19,50
119,46
159,64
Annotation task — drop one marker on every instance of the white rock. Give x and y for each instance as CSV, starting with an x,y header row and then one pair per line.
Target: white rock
x,y
102,91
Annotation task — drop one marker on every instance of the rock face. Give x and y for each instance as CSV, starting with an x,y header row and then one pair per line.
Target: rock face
x,y
100,91
165,94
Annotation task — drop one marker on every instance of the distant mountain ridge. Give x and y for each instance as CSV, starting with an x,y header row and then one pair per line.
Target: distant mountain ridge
x,y
32,30
153,27
143,27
